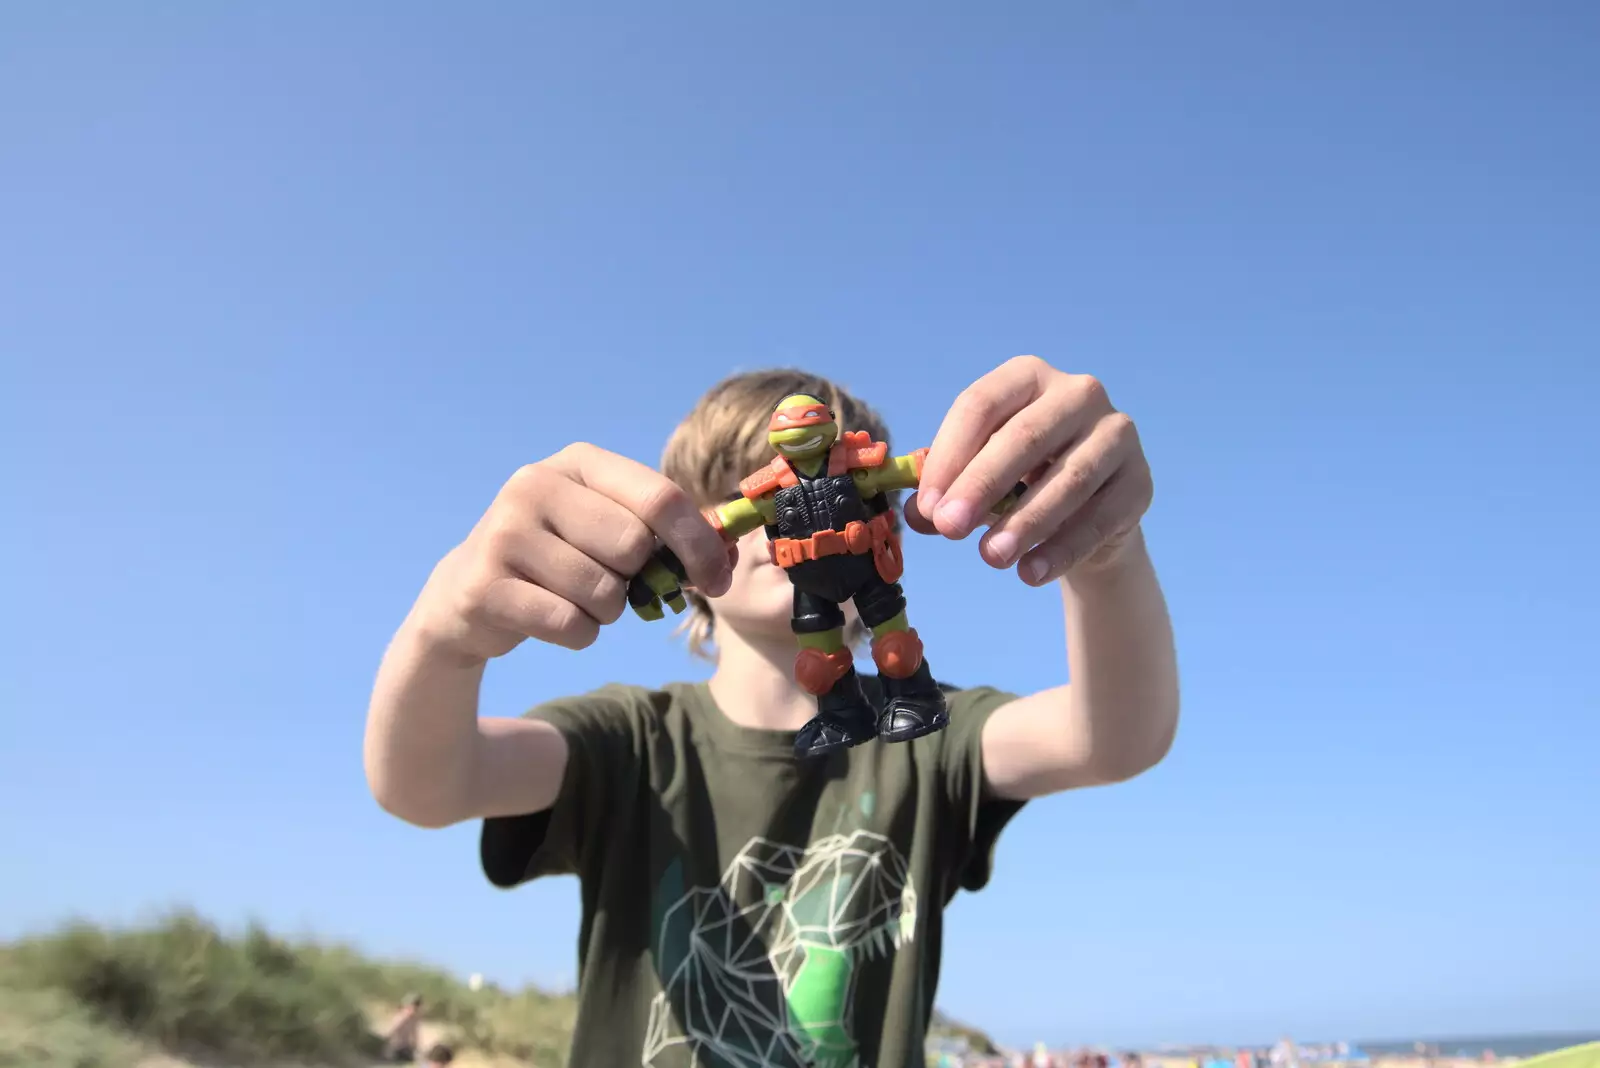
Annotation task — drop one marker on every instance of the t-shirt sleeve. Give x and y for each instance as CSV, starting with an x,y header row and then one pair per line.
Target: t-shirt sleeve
x,y
977,815
604,731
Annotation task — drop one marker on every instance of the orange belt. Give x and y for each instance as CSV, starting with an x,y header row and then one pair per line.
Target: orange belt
x,y
876,536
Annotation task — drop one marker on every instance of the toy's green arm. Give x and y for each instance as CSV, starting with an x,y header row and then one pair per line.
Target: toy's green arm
x,y
662,578
905,472
895,473
739,517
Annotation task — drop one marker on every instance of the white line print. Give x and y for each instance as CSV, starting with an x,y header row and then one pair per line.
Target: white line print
x,y
842,901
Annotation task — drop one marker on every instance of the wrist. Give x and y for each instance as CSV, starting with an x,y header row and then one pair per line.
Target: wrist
x,y
423,642
1110,563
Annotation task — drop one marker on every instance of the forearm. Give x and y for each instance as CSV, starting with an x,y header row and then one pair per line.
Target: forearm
x,y
422,733
1123,697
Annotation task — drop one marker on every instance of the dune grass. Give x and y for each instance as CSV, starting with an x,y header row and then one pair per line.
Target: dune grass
x,y
51,1029
96,998
84,996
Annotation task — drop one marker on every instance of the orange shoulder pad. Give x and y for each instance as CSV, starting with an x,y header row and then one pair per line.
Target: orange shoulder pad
x,y
777,473
856,450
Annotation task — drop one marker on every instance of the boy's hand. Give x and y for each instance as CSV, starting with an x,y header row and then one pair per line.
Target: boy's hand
x,y
549,559
1088,481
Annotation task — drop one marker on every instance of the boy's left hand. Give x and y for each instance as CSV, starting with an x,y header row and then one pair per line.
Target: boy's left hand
x,y
1088,481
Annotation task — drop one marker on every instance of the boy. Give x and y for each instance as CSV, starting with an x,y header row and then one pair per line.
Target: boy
x,y
742,906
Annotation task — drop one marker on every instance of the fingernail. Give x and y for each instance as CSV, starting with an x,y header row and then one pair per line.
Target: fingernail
x,y
956,515
928,500
1003,547
720,585
1036,569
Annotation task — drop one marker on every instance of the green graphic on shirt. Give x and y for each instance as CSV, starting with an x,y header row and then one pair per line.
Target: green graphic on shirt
x,y
817,995
816,1003
760,970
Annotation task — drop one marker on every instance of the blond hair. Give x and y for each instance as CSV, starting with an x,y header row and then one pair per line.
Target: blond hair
x,y
724,439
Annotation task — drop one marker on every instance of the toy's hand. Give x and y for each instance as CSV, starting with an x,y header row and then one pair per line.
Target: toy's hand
x,y
1087,481
661,579
1009,502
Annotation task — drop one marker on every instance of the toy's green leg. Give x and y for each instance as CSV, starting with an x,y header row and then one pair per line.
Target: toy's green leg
x,y
829,641
896,622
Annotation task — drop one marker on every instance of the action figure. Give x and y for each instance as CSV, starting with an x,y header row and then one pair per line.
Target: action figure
x,y
824,501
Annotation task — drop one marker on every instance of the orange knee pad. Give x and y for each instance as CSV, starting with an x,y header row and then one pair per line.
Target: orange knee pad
x,y
898,653
817,671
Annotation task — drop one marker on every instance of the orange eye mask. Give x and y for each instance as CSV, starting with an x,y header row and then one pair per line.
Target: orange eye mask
x,y
799,415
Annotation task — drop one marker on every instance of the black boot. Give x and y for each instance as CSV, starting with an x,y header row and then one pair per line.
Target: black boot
x,y
844,718
912,706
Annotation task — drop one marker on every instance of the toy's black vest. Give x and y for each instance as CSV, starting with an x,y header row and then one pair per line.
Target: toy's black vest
x,y
823,502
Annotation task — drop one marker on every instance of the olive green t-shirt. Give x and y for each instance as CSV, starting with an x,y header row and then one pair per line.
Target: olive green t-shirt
x,y
741,907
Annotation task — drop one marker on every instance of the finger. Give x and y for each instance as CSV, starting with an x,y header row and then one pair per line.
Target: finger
x,y
914,517
1112,512
598,527
549,561
662,505
1026,441
520,607
980,410
609,533
1064,487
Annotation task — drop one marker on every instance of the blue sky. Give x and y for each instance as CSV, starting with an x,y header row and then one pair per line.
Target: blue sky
x,y
285,294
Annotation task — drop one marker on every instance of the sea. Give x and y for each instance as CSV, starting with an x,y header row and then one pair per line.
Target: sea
x,y
1501,1045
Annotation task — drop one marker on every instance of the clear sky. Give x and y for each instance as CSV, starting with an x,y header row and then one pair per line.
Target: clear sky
x,y
286,293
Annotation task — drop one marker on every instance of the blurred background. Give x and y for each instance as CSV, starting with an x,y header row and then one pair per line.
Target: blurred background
x,y
287,291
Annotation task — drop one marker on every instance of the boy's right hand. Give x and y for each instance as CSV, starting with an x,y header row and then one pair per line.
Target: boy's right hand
x,y
552,556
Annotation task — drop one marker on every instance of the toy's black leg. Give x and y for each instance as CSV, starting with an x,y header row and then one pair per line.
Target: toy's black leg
x,y
913,703
826,668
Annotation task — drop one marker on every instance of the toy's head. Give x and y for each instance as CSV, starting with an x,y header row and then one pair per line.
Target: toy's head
x,y
802,427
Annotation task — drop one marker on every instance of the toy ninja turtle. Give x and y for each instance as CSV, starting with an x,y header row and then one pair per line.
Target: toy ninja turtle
x,y
830,526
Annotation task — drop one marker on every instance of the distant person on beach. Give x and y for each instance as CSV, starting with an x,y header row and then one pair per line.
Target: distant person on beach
x,y
400,1040
703,818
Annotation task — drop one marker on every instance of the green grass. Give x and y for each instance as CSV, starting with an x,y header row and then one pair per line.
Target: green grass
x,y
183,986
96,998
51,1029
87,997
